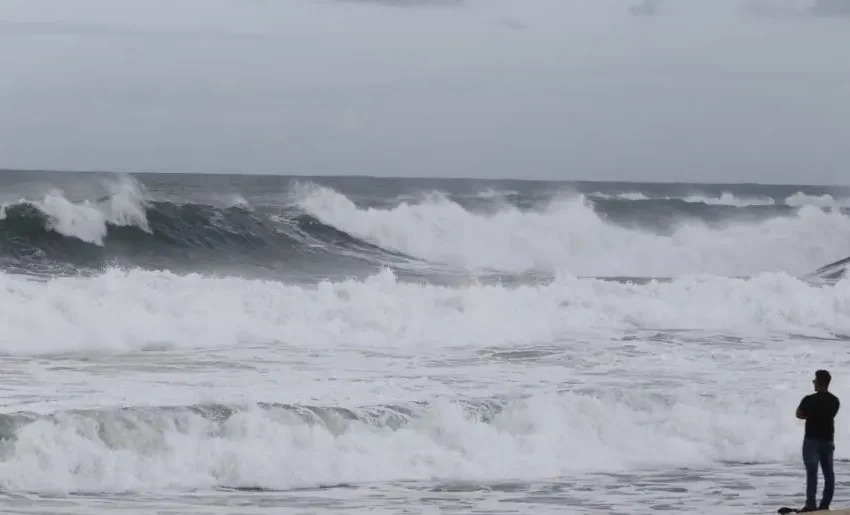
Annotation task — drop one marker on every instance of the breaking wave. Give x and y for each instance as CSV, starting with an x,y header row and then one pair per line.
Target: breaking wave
x,y
487,231
280,446
131,311
589,236
127,229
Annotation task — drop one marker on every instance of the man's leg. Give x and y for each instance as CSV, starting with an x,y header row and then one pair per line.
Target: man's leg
x,y
825,458
810,459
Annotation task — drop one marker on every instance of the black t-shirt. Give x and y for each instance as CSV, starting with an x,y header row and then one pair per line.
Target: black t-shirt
x,y
820,409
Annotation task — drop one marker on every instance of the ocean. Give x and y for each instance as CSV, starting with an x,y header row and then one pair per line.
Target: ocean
x,y
289,345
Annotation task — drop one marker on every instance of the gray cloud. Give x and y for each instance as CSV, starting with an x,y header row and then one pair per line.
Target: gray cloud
x,y
407,3
584,90
58,28
798,8
645,8
831,8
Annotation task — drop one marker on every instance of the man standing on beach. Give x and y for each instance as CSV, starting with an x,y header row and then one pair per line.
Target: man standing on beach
x,y
819,410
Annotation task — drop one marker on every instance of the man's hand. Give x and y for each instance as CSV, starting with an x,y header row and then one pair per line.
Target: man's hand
x,y
800,414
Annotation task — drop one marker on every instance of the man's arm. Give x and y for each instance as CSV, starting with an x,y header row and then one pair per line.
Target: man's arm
x,y
801,409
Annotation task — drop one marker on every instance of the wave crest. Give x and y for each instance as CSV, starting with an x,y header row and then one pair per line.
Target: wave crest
x,y
479,232
279,446
592,237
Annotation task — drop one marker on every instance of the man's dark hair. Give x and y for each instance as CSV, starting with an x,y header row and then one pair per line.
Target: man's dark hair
x,y
822,378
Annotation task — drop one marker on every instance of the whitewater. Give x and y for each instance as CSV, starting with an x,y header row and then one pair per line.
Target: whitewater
x,y
205,344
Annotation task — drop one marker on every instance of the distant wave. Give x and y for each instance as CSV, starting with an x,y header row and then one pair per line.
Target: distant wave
x,y
798,199
169,226
115,230
591,236
320,229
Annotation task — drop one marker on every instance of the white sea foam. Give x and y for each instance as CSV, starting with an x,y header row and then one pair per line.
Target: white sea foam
x,y
568,235
132,310
545,436
801,199
725,199
693,372
730,199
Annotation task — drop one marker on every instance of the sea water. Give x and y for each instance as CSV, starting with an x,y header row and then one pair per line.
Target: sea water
x,y
221,344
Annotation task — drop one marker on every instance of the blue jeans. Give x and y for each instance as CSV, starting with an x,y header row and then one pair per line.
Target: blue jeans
x,y
818,452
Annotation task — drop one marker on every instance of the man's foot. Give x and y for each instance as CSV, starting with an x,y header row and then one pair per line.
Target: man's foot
x,y
783,511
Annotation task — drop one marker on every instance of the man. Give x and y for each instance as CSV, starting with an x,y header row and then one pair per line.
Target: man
x,y
819,410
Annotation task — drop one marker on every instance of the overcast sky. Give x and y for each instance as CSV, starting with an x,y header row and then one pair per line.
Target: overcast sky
x,y
687,90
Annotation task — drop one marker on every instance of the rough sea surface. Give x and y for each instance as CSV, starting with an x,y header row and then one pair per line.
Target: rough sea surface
x,y
279,345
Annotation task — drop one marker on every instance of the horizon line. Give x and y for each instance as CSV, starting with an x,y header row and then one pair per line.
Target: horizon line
x,y
418,178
